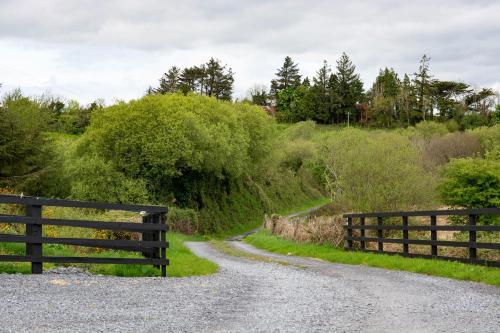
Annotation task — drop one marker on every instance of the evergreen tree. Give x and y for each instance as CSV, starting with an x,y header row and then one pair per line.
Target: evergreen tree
x,y
384,95
170,81
406,101
348,90
322,94
422,81
287,76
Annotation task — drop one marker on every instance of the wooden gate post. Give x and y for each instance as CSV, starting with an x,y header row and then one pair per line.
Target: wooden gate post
x,y
34,249
163,238
472,237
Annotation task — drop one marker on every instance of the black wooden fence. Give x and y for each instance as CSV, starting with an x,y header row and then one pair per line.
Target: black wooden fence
x,y
153,229
358,222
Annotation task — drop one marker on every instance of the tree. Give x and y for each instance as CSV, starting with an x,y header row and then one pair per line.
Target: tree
x,y
287,76
481,101
294,104
384,95
422,80
348,89
258,95
406,101
218,80
170,81
447,97
322,94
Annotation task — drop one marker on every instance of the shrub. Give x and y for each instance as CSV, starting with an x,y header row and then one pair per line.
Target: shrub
x,y
182,220
489,137
319,229
374,171
472,183
441,150
430,129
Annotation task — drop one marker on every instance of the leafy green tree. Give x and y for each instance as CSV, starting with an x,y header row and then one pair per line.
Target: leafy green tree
x,y
258,95
448,98
472,183
218,80
348,89
294,104
384,95
25,151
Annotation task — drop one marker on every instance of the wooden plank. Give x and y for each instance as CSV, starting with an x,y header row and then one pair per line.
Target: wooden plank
x,y
434,250
380,220
472,238
362,223
33,237
122,226
489,263
349,234
84,260
492,246
163,238
12,199
103,243
405,234
475,211
428,227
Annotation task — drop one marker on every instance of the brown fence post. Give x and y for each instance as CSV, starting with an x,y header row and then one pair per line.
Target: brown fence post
x,y
434,248
349,234
380,221
34,249
163,238
362,224
405,235
472,237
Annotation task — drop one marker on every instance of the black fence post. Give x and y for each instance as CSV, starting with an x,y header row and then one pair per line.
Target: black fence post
x,y
472,237
153,252
380,221
434,248
163,238
349,233
362,224
405,235
34,249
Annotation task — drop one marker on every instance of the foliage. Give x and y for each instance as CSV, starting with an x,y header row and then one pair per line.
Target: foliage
x,y
374,171
210,79
286,77
182,220
489,137
441,150
472,182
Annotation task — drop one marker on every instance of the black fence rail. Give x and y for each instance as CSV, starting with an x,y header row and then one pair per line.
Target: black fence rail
x,y
357,222
153,228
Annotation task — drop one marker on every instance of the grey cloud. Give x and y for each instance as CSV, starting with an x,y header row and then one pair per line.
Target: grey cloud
x,y
460,36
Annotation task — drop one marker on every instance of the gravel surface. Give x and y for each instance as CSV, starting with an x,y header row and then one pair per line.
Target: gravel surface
x,y
249,296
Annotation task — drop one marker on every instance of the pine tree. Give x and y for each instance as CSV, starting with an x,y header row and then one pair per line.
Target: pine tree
x,y
287,76
322,94
422,80
348,89
170,81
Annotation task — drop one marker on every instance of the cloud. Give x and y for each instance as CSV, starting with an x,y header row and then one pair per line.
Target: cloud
x,y
116,48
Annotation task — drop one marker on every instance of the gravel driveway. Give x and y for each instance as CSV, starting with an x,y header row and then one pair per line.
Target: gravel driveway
x,y
249,296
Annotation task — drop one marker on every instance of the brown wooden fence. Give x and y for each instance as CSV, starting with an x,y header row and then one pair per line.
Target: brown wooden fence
x,y
357,222
153,244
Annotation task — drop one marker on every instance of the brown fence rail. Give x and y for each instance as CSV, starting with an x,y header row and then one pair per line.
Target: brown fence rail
x,y
153,229
472,228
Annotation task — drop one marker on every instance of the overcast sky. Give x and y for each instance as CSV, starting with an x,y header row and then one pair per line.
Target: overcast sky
x,y
115,49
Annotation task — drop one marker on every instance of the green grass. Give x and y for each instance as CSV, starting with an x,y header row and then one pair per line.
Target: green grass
x,y
182,261
264,240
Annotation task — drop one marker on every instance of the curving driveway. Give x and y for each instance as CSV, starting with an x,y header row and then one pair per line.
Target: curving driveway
x,y
250,296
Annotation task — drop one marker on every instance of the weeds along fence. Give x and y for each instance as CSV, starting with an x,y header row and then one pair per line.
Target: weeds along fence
x,y
153,228
357,229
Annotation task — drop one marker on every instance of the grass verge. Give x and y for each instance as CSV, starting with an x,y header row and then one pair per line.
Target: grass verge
x,y
182,261
455,270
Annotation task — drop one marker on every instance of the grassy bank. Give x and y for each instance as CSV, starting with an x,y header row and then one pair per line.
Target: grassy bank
x,y
182,261
264,240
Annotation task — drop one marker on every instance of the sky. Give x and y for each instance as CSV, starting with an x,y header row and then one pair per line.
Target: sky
x,y
115,49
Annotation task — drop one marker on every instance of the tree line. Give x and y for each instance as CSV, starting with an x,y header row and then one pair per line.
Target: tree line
x,y
338,96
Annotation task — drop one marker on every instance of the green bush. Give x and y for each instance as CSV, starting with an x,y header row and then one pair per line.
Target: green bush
x,y
472,182
182,220
489,137
430,129
374,171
